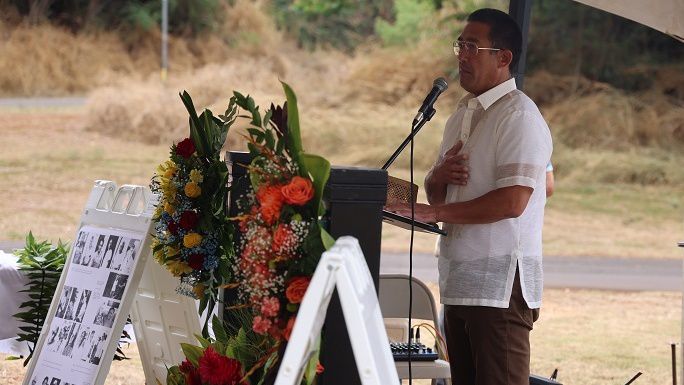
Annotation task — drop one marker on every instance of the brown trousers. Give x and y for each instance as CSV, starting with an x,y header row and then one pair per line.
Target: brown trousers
x,y
490,346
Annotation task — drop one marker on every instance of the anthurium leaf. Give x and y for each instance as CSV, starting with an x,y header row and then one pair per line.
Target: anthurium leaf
x,y
293,120
192,353
319,169
328,240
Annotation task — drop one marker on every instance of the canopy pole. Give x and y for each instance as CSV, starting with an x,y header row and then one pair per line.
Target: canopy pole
x,y
520,11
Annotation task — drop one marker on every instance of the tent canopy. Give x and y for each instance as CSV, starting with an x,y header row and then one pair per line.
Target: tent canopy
x,y
666,16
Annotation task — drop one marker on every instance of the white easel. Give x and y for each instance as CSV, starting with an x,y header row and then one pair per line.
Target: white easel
x,y
124,213
344,267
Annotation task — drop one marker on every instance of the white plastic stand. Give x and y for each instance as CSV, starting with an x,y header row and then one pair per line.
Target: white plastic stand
x,y
90,306
162,320
344,267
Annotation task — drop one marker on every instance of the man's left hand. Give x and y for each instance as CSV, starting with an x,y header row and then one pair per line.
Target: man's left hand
x,y
423,212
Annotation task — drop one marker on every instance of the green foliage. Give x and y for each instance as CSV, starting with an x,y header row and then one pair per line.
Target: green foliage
x,y
412,17
342,24
185,16
571,38
42,264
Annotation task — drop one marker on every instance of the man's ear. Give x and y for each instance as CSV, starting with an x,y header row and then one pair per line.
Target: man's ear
x,y
505,58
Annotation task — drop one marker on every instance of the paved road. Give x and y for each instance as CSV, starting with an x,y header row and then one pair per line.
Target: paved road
x,y
569,272
42,102
559,272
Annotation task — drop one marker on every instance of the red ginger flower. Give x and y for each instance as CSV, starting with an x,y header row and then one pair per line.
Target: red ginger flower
x,y
192,376
216,369
185,148
299,191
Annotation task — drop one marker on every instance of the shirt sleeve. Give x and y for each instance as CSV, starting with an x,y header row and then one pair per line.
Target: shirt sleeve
x,y
523,150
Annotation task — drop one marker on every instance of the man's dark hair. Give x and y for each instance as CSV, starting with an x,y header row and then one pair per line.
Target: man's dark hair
x,y
504,32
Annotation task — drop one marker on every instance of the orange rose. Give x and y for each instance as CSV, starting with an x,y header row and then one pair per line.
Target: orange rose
x,y
296,289
298,191
271,201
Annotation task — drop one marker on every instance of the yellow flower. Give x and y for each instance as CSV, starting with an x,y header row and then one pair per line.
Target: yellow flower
x,y
191,240
177,268
199,291
167,169
196,176
169,208
169,192
171,251
192,190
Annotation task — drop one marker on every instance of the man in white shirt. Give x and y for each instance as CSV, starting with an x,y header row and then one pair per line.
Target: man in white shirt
x,y
488,187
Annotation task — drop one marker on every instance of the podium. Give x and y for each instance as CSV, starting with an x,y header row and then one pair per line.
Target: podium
x,y
354,199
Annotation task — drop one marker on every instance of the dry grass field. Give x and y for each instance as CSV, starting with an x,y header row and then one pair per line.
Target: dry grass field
x,y
592,337
49,162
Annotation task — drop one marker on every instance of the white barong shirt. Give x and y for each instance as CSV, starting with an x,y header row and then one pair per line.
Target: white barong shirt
x,y
509,144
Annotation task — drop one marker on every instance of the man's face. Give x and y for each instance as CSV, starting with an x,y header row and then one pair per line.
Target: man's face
x,y
479,71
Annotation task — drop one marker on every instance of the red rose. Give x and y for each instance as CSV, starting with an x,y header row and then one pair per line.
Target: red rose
x,y
173,228
271,201
188,220
319,368
196,261
298,191
185,148
216,369
296,289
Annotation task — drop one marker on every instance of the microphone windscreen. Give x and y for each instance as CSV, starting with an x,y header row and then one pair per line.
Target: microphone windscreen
x,y
441,83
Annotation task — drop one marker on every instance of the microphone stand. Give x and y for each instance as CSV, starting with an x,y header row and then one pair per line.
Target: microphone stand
x,y
417,125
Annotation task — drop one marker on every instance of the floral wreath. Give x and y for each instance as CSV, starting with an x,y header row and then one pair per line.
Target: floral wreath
x,y
264,257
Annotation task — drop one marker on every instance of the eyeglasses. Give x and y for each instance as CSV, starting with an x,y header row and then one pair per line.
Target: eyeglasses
x,y
462,48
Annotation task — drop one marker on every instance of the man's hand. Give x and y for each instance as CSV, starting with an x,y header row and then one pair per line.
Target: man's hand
x,y
423,212
452,169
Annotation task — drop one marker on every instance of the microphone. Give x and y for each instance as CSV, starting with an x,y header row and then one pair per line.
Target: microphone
x,y
426,111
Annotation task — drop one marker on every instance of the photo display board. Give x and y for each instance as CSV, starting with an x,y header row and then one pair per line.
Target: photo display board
x,y
98,274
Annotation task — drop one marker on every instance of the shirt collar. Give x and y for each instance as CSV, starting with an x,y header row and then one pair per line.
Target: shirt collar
x,y
491,96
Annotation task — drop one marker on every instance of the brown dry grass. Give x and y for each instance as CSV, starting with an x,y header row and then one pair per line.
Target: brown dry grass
x,y
593,337
49,61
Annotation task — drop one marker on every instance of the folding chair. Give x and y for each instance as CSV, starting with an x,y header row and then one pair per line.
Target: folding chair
x,y
394,303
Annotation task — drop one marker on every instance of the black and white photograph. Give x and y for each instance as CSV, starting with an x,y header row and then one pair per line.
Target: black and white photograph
x,y
59,336
64,301
82,305
116,284
114,260
96,349
71,340
106,313
83,343
79,246
94,248
108,251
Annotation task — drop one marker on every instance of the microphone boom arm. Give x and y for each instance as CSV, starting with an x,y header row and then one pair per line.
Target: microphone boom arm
x,y
417,125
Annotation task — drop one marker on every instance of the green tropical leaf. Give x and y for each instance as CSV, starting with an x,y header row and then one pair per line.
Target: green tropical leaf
x,y
192,353
293,132
319,169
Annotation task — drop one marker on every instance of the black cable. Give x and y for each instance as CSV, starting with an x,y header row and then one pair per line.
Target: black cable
x,y
413,215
